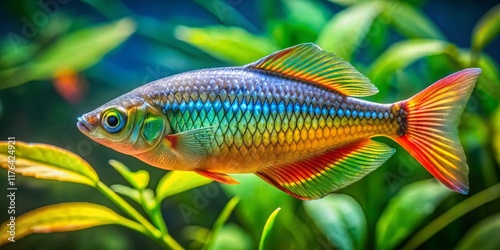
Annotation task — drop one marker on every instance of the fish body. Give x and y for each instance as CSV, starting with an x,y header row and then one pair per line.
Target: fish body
x,y
291,118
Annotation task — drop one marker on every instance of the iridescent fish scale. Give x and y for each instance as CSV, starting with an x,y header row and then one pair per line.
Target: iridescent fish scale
x,y
285,118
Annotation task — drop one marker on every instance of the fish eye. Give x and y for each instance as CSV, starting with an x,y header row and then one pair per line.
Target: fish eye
x,y
113,121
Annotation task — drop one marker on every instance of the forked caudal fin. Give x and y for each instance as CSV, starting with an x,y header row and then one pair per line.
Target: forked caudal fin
x,y
431,133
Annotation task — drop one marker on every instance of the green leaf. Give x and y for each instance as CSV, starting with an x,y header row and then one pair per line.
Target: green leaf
x,y
267,228
341,219
65,217
226,13
348,28
455,212
488,84
230,44
346,2
311,14
175,182
46,162
410,21
483,235
138,180
495,120
254,210
12,54
230,237
221,220
486,29
402,54
76,51
258,200
407,210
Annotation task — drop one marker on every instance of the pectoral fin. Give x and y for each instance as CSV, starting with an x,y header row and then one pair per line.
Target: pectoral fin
x,y
190,146
219,177
316,177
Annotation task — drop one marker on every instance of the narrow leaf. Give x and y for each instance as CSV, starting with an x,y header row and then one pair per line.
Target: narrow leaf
x,y
267,228
254,211
401,54
341,219
455,212
76,51
230,44
407,210
410,21
221,220
138,180
348,28
175,182
46,162
489,82
483,235
495,120
346,2
486,29
227,13
65,217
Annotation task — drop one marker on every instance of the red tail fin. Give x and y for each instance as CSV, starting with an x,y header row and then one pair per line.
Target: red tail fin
x,y
431,134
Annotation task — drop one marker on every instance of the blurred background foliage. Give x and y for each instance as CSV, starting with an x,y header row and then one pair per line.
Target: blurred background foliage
x,y
61,58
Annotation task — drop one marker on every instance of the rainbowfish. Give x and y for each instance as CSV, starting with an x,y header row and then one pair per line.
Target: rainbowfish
x,y
290,118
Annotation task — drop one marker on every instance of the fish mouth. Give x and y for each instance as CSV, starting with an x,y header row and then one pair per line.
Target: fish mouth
x,y
83,125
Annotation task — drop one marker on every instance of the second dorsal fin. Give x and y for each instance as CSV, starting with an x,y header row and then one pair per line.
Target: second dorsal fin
x,y
308,62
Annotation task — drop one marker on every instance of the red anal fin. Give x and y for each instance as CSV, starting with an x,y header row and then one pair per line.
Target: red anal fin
x,y
219,177
321,175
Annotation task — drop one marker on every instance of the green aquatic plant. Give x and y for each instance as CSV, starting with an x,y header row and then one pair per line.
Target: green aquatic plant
x,y
44,161
44,62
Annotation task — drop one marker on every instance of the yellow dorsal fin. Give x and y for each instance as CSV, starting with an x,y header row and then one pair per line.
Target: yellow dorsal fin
x,y
308,62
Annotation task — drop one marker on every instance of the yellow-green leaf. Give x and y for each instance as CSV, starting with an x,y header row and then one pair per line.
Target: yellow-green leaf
x,y
348,28
62,218
46,162
231,44
131,193
138,180
175,182
76,51
267,228
487,28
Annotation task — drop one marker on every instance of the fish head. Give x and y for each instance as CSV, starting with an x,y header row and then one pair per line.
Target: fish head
x,y
128,125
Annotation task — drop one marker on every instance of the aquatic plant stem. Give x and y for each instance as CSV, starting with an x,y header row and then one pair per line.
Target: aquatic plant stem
x,y
153,232
157,218
452,214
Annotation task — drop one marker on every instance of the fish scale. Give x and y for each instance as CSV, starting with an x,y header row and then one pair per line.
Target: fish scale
x,y
319,123
292,118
